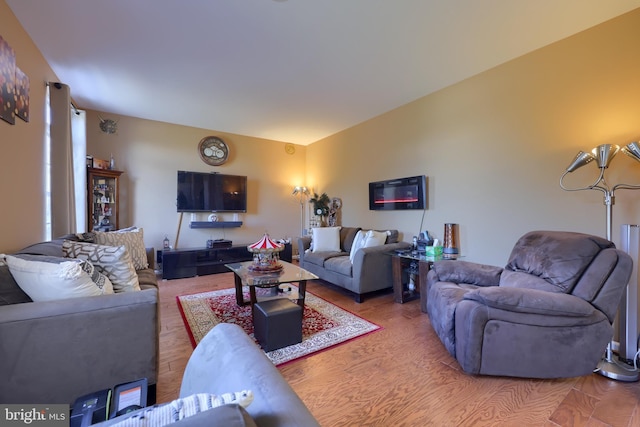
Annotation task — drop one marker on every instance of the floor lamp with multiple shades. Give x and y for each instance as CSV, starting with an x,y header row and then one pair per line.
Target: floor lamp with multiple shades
x,y
302,193
602,155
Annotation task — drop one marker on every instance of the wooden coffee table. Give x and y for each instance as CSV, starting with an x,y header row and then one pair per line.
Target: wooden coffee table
x,y
289,273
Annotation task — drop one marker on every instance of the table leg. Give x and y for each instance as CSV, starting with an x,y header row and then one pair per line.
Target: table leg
x,y
239,295
252,295
302,290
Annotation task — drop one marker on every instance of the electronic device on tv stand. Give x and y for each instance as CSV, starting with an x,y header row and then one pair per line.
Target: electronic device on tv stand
x,y
219,244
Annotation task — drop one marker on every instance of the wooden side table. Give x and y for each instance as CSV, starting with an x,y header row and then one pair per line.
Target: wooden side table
x,y
407,267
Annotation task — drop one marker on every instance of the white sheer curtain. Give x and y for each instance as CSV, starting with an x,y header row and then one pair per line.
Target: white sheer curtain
x,y
63,207
79,141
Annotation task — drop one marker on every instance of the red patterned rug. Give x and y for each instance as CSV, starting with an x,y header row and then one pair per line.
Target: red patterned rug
x,y
324,325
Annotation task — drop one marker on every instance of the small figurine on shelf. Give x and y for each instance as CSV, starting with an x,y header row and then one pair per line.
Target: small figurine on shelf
x,y
165,243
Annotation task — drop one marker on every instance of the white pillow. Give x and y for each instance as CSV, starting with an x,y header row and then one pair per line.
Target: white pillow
x,y
52,278
113,261
132,239
358,242
326,239
367,239
179,409
375,238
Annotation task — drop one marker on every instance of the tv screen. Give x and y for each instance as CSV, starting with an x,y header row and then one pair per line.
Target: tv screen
x,y
398,194
211,192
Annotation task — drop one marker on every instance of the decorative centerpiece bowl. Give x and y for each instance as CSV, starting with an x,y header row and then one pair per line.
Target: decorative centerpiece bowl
x,y
266,255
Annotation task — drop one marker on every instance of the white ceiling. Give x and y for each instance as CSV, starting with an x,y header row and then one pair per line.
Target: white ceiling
x,y
287,70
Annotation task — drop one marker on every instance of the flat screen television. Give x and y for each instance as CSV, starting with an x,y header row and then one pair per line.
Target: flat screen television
x,y
398,194
211,192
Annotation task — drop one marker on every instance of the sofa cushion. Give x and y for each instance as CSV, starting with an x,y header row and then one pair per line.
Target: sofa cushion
x,y
339,264
325,239
347,234
50,248
10,292
147,278
392,236
46,278
559,258
319,258
132,239
113,261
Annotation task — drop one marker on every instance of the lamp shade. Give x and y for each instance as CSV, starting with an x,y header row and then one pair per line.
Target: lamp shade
x,y
604,154
632,150
298,189
580,160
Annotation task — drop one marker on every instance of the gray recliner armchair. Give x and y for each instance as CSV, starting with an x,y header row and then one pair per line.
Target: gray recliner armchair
x,y
547,314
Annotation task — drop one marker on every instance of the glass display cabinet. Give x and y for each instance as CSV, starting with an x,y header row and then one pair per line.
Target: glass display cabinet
x,y
102,199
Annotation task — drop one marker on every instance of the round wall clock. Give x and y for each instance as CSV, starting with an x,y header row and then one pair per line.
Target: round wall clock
x,y
213,151
289,148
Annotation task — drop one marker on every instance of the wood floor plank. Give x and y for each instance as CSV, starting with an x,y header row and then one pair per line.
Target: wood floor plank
x,y
403,376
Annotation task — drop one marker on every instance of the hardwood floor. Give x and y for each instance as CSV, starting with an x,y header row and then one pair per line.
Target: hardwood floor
x,y
403,376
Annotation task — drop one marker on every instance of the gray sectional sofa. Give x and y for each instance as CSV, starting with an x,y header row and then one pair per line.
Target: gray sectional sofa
x,y
57,351
370,270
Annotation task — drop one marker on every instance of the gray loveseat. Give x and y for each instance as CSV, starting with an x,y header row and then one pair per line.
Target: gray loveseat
x,y
371,268
226,361
57,351
547,314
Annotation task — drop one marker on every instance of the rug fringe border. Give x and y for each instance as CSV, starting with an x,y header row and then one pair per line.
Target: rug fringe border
x,y
185,321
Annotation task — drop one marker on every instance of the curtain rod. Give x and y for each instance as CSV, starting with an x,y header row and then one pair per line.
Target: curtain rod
x,y
58,85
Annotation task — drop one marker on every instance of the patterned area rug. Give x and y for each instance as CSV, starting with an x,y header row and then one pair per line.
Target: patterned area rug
x,y
324,325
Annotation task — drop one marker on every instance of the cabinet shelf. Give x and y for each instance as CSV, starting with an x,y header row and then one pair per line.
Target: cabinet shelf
x,y
215,224
102,199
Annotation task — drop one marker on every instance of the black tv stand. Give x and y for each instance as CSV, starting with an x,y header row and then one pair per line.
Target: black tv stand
x,y
191,262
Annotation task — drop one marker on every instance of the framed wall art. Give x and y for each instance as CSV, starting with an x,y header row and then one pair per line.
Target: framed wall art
x,y
7,82
22,95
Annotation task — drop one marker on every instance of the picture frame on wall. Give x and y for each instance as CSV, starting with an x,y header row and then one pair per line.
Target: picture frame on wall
x,y
7,82
22,95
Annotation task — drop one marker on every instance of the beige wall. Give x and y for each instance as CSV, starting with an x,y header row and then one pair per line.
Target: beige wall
x,y
22,146
152,152
494,146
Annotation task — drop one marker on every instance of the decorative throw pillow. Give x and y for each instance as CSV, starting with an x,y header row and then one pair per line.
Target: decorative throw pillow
x,y
358,242
131,238
113,261
158,416
102,282
326,239
366,239
375,238
46,278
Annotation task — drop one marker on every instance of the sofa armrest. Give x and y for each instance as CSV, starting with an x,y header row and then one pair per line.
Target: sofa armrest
x,y
151,257
227,360
56,351
304,243
531,301
457,271
371,269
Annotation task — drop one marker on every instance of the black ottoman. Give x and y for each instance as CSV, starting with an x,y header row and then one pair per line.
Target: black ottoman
x,y
277,323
